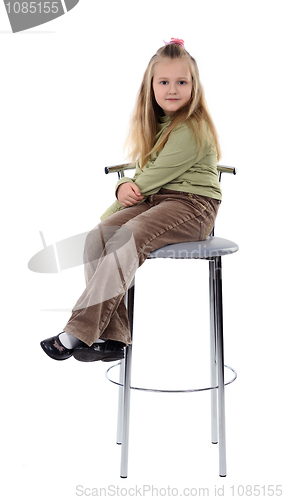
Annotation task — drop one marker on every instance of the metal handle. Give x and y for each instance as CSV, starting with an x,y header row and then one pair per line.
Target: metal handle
x,y
228,170
129,166
119,168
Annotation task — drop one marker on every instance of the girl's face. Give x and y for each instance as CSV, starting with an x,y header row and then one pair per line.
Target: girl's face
x,y
172,84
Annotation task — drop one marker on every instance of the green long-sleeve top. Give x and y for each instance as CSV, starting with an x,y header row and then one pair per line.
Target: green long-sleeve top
x,y
182,165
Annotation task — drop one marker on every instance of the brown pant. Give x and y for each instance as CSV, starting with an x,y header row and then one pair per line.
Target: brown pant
x,y
120,244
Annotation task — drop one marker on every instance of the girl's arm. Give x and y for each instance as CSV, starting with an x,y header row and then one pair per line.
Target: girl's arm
x,y
180,153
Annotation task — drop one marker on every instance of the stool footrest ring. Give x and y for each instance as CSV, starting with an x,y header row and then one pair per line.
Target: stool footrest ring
x,y
169,390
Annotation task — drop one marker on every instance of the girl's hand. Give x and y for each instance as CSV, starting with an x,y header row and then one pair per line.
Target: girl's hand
x,y
128,194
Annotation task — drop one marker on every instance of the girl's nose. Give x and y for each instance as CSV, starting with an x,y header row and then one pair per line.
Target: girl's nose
x,y
172,89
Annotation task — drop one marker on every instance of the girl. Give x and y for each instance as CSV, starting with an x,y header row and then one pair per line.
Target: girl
x,y
173,197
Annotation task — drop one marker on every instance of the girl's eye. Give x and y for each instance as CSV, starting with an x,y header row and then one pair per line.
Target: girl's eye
x,y
165,82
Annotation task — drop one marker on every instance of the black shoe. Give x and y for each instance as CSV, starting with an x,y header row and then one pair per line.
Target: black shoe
x,y
56,350
110,350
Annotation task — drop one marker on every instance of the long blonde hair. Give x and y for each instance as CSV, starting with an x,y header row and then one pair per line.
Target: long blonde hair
x,y
143,123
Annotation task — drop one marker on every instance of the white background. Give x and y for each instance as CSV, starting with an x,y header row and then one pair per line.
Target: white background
x,y
67,90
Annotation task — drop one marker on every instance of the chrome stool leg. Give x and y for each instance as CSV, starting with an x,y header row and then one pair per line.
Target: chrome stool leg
x,y
121,393
120,403
126,388
220,363
126,413
213,353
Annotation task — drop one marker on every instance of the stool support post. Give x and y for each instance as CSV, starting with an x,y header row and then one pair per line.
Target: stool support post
x,y
126,388
213,353
126,413
220,364
120,403
121,392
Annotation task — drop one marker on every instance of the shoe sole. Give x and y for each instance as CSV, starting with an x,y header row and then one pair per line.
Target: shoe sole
x,y
89,356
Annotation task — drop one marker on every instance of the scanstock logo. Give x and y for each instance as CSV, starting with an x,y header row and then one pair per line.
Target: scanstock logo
x,y
28,14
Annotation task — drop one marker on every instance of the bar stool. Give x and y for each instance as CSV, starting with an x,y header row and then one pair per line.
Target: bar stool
x,y
212,249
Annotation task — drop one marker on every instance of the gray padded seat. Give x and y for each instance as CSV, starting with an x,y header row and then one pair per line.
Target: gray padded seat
x,y
207,249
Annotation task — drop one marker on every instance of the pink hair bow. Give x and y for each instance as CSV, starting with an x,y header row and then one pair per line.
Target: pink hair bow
x,y
178,41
